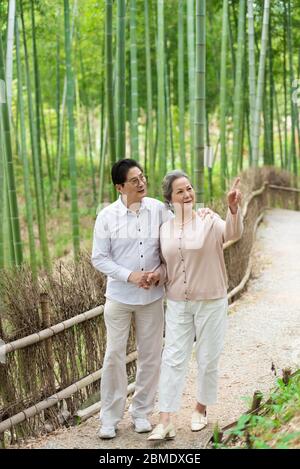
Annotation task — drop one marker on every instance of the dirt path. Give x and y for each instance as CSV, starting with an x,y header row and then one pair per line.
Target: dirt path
x,y
263,328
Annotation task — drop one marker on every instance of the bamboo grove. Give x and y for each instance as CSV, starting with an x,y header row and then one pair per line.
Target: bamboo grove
x,y
210,87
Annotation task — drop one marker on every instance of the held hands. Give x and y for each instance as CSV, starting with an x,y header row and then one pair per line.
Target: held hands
x,y
234,196
153,278
144,279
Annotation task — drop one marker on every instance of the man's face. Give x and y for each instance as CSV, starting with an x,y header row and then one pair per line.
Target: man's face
x,y
135,187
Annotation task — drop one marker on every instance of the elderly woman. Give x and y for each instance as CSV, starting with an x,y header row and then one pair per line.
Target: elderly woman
x,y
196,289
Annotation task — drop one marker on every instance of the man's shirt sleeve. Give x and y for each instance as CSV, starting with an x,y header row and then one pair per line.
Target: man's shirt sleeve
x,y
101,253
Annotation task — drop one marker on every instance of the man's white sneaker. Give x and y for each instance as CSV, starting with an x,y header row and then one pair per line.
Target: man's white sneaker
x,y
142,425
107,432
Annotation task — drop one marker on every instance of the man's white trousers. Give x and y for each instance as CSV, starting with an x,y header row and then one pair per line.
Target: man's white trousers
x,y
149,332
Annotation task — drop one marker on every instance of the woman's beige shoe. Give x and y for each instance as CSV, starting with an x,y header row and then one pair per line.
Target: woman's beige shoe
x,y
198,421
162,433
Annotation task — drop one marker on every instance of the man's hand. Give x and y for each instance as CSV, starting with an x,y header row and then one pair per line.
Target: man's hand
x,y
153,278
234,197
139,278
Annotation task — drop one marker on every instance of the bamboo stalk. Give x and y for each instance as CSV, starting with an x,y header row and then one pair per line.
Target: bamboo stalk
x,y
238,90
72,152
35,158
224,171
24,157
292,159
169,111
38,99
271,94
191,65
278,117
90,146
61,115
251,76
2,198
102,115
8,164
109,79
9,52
181,104
134,131
121,81
45,138
161,111
150,141
9,251
285,85
57,94
102,164
260,82
200,100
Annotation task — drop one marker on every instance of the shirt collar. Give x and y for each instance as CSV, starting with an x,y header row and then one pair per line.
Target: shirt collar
x,y
123,209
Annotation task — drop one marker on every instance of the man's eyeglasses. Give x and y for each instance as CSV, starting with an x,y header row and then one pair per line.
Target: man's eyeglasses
x,y
136,180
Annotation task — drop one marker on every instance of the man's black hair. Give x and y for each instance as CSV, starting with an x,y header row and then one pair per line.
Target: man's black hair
x,y
120,170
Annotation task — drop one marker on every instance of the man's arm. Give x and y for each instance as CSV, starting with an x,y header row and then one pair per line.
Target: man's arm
x,y
101,253
101,256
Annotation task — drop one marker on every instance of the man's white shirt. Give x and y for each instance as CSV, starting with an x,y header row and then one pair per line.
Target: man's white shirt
x,y
125,242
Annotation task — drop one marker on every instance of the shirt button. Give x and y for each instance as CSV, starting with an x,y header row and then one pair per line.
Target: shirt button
x,y
141,242
142,255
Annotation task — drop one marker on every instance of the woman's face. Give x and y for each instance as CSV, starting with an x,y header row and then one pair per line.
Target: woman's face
x,y
183,194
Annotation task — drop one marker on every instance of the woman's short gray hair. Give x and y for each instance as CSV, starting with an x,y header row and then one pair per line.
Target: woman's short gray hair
x,y
168,180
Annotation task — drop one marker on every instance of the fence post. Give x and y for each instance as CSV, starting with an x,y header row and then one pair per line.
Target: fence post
x,y
49,366
297,201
